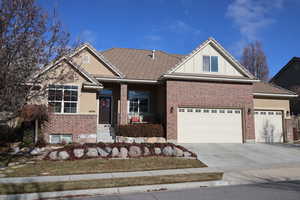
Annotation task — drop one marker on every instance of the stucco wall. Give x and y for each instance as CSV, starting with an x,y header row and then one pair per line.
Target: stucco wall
x,y
195,63
273,104
211,95
94,66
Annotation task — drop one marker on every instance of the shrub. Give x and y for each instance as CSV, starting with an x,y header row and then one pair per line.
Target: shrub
x,y
141,130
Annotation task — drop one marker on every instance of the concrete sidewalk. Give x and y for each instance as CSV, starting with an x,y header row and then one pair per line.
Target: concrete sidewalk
x,y
106,175
229,178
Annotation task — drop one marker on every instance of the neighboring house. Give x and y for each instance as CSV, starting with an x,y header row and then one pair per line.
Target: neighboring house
x,y
204,97
289,77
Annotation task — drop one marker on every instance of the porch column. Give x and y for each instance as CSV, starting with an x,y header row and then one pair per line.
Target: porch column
x,y
123,104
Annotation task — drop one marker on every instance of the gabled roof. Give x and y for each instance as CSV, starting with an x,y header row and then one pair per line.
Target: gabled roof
x,y
78,50
293,60
139,64
269,89
225,53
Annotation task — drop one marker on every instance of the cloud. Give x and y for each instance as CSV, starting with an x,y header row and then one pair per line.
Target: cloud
x,y
180,26
251,16
153,38
88,36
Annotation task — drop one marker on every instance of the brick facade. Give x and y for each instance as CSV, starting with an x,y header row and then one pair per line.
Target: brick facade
x,y
123,104
82,127
210,95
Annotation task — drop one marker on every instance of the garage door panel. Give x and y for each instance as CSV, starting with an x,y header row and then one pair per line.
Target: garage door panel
x,y
268,126
214,126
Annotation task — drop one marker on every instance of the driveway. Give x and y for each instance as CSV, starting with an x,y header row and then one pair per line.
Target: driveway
x,y
232,157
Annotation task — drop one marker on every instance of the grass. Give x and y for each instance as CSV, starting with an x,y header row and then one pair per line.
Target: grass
x,y
106,183
53,168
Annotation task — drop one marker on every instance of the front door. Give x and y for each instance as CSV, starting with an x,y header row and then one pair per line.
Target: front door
x,y
105,110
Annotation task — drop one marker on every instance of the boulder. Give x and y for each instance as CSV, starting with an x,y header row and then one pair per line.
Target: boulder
x,y
63,155
139,140
129,140
25,149
102,152
78,153
135,151
123,152
92,152
168,151
146,151
178,152
53,155
35,151
115,152
187,154
151,140
157,151
161,140
108,149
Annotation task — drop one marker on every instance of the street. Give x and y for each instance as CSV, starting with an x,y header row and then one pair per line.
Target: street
x,y
289,190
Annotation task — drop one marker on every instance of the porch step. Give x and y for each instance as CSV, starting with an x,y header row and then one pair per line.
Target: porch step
x,y
105,133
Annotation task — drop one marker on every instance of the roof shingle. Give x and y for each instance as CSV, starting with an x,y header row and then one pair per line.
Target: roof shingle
x,y
138,64
269,88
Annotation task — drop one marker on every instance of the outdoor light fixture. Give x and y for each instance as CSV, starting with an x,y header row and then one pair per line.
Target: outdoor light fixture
x,y
249,111
171,109
287,113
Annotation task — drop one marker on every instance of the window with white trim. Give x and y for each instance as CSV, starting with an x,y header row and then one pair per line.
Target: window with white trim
x,y
210,64
61,138
63,98
139,101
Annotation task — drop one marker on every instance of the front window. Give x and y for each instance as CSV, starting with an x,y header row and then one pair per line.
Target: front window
x,y
139,102
63,98
210,64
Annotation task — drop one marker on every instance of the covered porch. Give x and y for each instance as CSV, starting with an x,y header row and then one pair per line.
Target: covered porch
x,y
129,103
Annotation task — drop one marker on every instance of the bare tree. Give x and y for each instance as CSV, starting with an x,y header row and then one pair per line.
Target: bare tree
x,y
254,59
30,38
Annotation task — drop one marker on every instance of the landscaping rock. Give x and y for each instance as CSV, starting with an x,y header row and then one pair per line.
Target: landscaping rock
x,y
92,152
63,155
129,140
53,155
103,152
139,140
151,140
146,151
123,152
13,164
157,151
161,140
25,149
135,151
108,149
35,151
78,153
187,154
178,152
115,152
168,151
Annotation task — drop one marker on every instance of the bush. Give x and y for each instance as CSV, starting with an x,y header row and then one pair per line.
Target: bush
x,y
141,130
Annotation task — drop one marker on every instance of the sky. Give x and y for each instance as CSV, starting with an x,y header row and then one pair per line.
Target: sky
x,y
179,26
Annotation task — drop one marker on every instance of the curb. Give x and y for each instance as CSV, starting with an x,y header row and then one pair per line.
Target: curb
x,y
110,191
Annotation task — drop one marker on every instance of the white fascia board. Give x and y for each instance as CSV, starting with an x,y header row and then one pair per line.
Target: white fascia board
x,y
92,87
274,95
210,78
128,80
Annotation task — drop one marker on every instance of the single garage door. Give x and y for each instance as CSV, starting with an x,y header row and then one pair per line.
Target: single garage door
x,y
197,125
268,126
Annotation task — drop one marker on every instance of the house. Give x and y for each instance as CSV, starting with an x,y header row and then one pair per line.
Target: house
x,y
288,77
204,97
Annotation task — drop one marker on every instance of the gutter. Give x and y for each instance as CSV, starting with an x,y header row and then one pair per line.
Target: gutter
x,y
211,79
98,87
275,95
128,80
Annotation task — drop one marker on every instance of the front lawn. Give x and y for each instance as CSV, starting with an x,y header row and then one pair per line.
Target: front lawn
x,y
51,168
106,183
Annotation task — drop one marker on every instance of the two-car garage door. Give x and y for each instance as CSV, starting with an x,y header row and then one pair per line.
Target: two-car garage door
x,y
201,125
